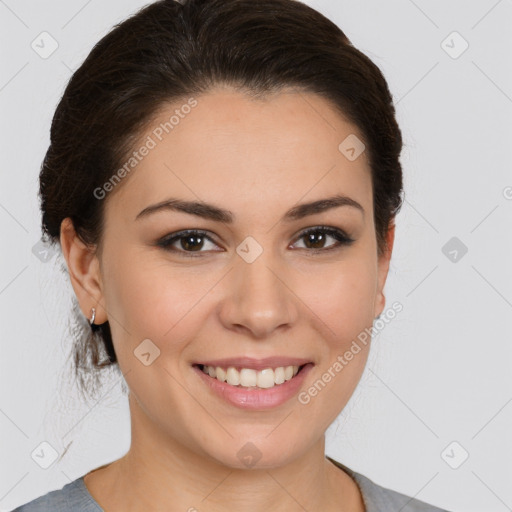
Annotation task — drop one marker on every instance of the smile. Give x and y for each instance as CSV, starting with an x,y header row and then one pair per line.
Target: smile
x,y
245,387
250,378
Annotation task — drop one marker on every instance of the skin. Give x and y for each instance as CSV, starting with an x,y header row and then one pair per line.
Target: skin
x,y
261,158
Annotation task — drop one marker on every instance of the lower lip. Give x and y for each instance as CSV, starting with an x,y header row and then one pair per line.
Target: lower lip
x,y
256,399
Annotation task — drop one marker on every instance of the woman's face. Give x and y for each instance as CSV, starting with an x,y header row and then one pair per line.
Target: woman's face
x,y
253,286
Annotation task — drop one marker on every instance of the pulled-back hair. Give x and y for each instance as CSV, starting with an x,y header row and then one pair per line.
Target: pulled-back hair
x,y
172,50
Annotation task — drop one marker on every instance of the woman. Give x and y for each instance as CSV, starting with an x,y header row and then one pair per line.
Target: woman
x,y
223,178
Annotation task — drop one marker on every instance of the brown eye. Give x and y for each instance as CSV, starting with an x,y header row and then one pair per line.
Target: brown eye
x,y
315,238
192,242
189,241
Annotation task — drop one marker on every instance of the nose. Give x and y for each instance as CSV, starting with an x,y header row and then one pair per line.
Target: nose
x,y
258,299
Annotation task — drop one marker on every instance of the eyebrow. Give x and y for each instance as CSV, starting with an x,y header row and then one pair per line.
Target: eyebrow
x,y
212,212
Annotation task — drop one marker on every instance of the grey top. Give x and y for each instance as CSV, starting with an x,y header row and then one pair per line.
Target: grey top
x,y
74,497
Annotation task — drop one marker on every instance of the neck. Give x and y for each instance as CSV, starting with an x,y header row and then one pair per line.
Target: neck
x,y
159,470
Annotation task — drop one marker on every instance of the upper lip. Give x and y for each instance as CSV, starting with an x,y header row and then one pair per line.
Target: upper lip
x,y
255,364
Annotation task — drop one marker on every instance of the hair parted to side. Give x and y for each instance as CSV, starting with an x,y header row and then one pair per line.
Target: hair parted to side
x,y
171,50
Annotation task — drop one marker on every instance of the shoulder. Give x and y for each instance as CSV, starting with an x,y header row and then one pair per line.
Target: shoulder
x,y
380,499
73,497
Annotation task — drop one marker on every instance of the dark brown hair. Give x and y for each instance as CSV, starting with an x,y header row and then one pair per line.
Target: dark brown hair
x,y
171,50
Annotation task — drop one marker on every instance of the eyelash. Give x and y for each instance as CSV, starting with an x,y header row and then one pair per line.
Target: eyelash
x,y
341,238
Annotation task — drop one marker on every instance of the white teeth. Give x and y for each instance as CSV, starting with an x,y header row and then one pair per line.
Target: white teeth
x,y
221,374
279,375
232,376
249,378
265,378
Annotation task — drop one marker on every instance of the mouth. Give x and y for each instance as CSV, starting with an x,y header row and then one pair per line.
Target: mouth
x,y
253,379
260,388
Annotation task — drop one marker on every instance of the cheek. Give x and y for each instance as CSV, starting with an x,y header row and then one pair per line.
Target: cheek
x,y
148,297
342,297
341,305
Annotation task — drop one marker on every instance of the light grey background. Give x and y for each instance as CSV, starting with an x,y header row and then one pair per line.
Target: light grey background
x,y
439,372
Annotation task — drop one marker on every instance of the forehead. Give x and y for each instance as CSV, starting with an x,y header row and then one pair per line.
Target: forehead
x,y
226,147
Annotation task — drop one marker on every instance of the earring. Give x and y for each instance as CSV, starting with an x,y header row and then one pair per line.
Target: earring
x,y
91,321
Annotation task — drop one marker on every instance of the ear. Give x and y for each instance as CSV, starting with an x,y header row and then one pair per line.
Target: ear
x,y
383,268
84,272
